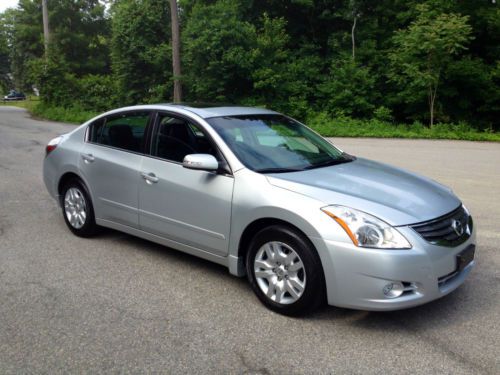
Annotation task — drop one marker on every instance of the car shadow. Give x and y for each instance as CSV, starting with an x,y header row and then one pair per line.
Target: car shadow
x,y
440,312
167,253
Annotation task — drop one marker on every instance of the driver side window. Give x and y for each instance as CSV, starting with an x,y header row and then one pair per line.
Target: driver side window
x,y
175,138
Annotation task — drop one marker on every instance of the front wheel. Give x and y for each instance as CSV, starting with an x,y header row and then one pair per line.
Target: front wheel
x,y
77,209
284,271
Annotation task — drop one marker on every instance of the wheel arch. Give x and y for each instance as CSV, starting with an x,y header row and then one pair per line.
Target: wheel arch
x,y
255,226
258,224
65,178
68,176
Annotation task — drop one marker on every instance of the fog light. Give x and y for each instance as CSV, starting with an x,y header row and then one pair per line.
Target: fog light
x,y
393,290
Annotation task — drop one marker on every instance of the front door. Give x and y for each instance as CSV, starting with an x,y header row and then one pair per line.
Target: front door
x,y
188,206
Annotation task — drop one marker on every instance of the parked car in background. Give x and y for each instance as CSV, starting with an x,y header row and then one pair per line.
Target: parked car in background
x,y
265,196
14,95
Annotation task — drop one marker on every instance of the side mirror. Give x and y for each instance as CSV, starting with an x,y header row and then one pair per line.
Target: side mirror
x,y
203,162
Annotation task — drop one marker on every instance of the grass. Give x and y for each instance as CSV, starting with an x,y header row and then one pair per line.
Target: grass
x,y
348,127
324,124
27,104
73,115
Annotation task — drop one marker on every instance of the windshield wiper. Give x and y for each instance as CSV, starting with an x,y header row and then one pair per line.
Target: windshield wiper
x,y
345,159
278,170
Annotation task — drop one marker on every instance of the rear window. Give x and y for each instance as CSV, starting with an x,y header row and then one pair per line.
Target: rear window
x,y
124,131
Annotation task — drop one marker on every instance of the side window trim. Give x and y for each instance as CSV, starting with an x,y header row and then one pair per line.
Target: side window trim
x,y
147,130
156,125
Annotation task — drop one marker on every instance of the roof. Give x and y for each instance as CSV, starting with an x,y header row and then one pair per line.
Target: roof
x,y
208,110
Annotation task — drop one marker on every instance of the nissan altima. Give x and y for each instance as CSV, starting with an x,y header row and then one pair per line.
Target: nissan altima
x,y
267,197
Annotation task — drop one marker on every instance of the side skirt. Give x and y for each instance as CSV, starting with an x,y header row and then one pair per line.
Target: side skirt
x,y
165,242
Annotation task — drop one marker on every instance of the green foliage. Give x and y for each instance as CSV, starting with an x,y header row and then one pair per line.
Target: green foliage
x,y
412,60
95,93
25,37
79,33
218,58
61,89
5,82
57,86
383,114
281,76
424,51
140,49
73,114
349,89
343,126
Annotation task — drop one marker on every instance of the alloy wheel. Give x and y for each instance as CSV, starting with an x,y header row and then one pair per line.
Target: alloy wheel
x,y
75,207
279,272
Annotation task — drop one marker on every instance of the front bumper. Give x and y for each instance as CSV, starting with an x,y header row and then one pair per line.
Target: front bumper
x,y
355,277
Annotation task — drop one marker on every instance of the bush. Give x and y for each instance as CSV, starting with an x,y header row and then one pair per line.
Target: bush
x,y
344,126
95,93
383,114
73,114
349,87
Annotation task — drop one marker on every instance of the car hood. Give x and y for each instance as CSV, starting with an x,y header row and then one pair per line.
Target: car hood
x,y
394,195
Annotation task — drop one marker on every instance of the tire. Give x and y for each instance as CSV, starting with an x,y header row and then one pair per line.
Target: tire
x,y
290,282
77,209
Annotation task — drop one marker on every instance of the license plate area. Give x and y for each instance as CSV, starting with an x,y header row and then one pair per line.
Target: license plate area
x,y
465,257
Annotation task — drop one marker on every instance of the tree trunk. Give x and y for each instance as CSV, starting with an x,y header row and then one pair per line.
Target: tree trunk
x,y
431,108
432,99
176,51
353,39
46,31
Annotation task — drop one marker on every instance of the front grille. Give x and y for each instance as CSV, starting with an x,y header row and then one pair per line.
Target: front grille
x,y
448,230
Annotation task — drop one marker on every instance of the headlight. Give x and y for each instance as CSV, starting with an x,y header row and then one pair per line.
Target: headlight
x,y
366,230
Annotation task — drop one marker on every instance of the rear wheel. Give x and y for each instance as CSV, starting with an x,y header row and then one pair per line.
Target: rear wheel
x,y
284,271
77,209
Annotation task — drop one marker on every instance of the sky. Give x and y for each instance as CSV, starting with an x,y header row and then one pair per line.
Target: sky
x,y
4,4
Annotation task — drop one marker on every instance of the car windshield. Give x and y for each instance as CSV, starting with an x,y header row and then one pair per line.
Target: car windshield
x,y
275,143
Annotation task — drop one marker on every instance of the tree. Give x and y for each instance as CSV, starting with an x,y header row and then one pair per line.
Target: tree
x,y
139,47
282,77
176,51
424,50
79,33
217,45
46,30
25,38
298,56
5,81
348,89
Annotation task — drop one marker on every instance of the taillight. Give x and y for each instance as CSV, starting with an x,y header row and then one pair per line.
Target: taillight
x,y
51,146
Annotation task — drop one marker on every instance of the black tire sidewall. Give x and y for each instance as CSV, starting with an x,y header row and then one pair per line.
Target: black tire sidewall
x,y
314,293
89,227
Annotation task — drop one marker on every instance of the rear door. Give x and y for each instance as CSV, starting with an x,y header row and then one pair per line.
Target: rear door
x,y
188,206
110,162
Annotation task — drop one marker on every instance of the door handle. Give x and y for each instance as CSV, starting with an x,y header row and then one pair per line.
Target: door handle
x,y
150,177
89,158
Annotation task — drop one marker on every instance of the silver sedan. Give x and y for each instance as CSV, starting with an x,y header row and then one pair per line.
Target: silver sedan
x,y
265,196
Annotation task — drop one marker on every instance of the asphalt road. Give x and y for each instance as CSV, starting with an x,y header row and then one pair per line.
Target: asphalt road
x,y
120,304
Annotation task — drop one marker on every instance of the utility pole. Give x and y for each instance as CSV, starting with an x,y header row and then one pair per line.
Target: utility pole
x,y
46,32
176,51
